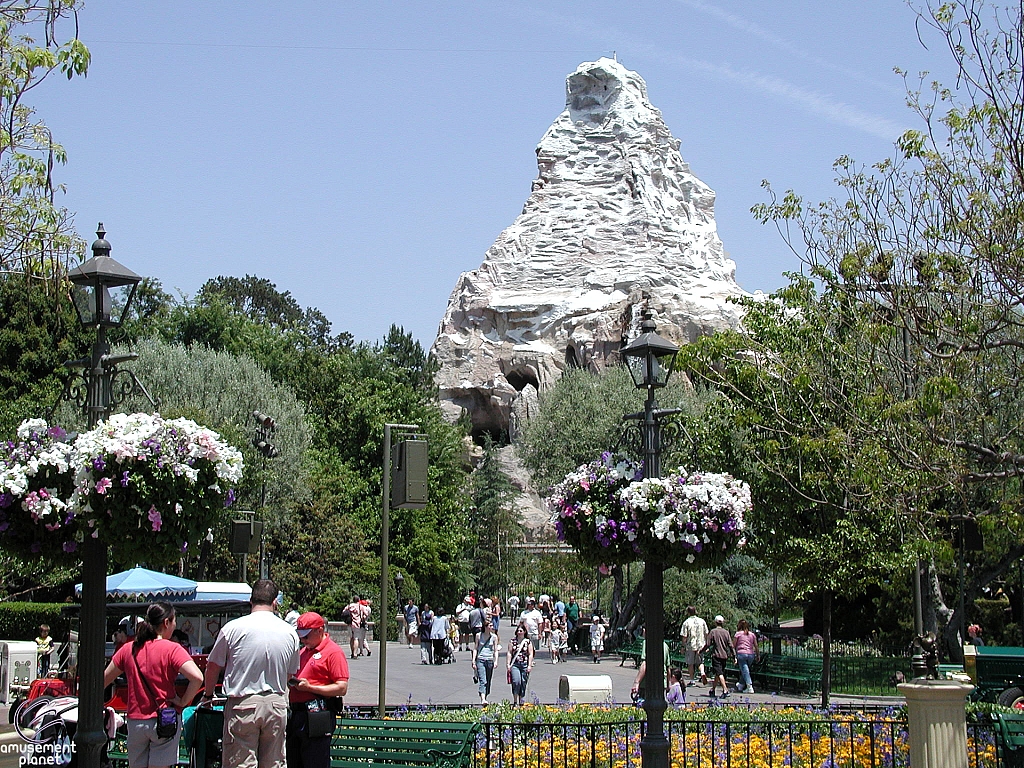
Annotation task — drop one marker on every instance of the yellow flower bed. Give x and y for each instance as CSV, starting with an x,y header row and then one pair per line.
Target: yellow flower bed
x,y
737,745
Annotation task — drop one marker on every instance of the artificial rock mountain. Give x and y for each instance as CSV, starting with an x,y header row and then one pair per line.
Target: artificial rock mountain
x,y
615,224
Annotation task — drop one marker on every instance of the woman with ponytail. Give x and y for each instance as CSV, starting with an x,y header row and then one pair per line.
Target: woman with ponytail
x,y
151,664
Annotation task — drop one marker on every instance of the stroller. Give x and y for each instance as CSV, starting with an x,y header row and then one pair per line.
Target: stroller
x,y
444,653
47,724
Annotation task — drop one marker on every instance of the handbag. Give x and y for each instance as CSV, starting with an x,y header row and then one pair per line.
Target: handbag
x,y
166,717
509,675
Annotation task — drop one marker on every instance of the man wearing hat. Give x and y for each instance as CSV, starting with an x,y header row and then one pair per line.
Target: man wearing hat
x,y
315,694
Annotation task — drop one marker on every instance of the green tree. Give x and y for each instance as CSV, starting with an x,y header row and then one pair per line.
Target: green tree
x,y
36,235
823,484
929,248
494,523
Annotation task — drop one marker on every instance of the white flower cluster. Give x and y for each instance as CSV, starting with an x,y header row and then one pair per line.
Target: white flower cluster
x,y
691,508
38,452
176,444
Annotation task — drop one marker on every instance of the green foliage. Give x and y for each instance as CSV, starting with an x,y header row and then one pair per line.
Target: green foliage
x,y
20,621
39,334
581,416
494,523
220,391
36,235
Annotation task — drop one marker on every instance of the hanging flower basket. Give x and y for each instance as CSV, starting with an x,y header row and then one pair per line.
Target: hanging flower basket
x,y
612,516
144,485
587,513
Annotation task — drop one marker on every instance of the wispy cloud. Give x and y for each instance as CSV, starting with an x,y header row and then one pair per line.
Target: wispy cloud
x,y
756,30
819,104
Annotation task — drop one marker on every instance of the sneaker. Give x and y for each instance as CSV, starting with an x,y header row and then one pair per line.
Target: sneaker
x,y
703,679
725,694
750,689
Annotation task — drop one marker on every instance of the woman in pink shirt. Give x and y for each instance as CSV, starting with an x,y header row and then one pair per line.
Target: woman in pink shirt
x,y
151,665
746,654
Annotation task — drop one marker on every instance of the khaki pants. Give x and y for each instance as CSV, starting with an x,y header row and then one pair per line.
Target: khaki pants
x,y
254,730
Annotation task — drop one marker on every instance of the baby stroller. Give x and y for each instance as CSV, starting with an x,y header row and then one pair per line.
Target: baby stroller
x,y
444,653
47,725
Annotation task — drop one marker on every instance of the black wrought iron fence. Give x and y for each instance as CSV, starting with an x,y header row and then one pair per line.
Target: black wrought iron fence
x,y
845,742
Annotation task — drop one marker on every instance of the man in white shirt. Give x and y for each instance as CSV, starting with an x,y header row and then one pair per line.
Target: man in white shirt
x,y
695,636
532,618
462,617
258,654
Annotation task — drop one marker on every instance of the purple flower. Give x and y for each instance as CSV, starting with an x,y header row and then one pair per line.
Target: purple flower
x,y
6,500
70,546
155,519
230,498
56,433
124,480
99,464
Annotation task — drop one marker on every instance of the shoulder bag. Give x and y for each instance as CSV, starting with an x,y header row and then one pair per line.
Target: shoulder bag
x,y
166,717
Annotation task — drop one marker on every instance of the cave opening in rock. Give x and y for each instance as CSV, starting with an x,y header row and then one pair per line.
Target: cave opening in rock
x,y
520,377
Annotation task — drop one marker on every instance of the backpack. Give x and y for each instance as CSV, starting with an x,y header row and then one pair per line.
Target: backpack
x,y
346,616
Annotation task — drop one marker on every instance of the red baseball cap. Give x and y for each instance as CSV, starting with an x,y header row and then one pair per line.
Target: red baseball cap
x,y
308,622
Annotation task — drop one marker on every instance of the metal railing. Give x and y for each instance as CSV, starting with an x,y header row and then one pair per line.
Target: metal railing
x,y
843,742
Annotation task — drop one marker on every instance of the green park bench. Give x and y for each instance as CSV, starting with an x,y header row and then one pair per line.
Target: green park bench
x,y
631,651
402,744
1010,743
800,673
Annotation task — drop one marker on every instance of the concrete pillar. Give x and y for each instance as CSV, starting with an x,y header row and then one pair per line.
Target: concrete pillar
x,y
937,721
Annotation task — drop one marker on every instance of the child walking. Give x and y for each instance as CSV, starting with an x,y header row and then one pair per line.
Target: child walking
x,y
596,637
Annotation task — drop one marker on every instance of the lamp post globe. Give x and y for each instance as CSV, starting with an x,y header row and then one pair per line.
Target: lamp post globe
x,y
103,291
650,359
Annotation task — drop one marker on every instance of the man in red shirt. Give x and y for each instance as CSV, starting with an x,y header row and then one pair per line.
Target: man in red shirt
x,y
315,694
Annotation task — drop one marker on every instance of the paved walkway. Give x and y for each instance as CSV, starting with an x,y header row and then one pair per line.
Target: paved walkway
x,y
410,682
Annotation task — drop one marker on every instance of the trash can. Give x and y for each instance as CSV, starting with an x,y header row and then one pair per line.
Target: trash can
x,y
585,689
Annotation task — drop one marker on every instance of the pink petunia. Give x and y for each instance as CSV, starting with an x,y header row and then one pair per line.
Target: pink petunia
x,y
155,519
102,485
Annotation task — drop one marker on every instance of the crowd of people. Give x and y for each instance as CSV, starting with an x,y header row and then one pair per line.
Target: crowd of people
x,y
282,680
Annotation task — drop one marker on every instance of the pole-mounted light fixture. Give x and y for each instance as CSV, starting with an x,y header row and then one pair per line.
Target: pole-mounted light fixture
x,y
650,359
103,288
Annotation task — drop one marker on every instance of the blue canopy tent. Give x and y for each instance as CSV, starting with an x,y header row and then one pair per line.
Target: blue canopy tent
x,y
137,584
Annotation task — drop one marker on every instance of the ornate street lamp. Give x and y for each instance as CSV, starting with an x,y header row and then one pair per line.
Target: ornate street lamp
x,y
103,293
650,358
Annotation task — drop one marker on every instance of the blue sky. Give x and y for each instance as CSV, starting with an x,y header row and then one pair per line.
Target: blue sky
x,y
362,155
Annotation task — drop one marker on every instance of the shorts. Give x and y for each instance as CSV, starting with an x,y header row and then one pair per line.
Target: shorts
x,y
464,627
144,748
694,658
718,666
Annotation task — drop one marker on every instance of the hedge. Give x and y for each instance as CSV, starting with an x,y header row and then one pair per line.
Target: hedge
x,y
20,621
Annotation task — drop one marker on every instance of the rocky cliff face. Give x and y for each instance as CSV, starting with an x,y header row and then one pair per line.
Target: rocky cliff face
x,y
615,223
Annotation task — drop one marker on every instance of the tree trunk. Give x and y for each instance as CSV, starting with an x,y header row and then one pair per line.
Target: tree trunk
x,y
626,618
826,647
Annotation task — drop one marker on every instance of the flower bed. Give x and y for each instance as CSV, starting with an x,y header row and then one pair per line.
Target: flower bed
x,y
578,736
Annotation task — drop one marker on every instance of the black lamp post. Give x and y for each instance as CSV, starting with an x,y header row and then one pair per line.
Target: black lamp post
x,y
649,358
103,292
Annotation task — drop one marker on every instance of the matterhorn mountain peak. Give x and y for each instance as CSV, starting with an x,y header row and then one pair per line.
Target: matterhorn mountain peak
x,y
615,224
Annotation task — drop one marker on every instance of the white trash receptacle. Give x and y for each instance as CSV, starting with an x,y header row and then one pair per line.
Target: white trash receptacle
x,y
585,689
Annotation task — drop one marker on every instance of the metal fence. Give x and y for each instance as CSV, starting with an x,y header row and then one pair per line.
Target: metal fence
x,y
840,743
